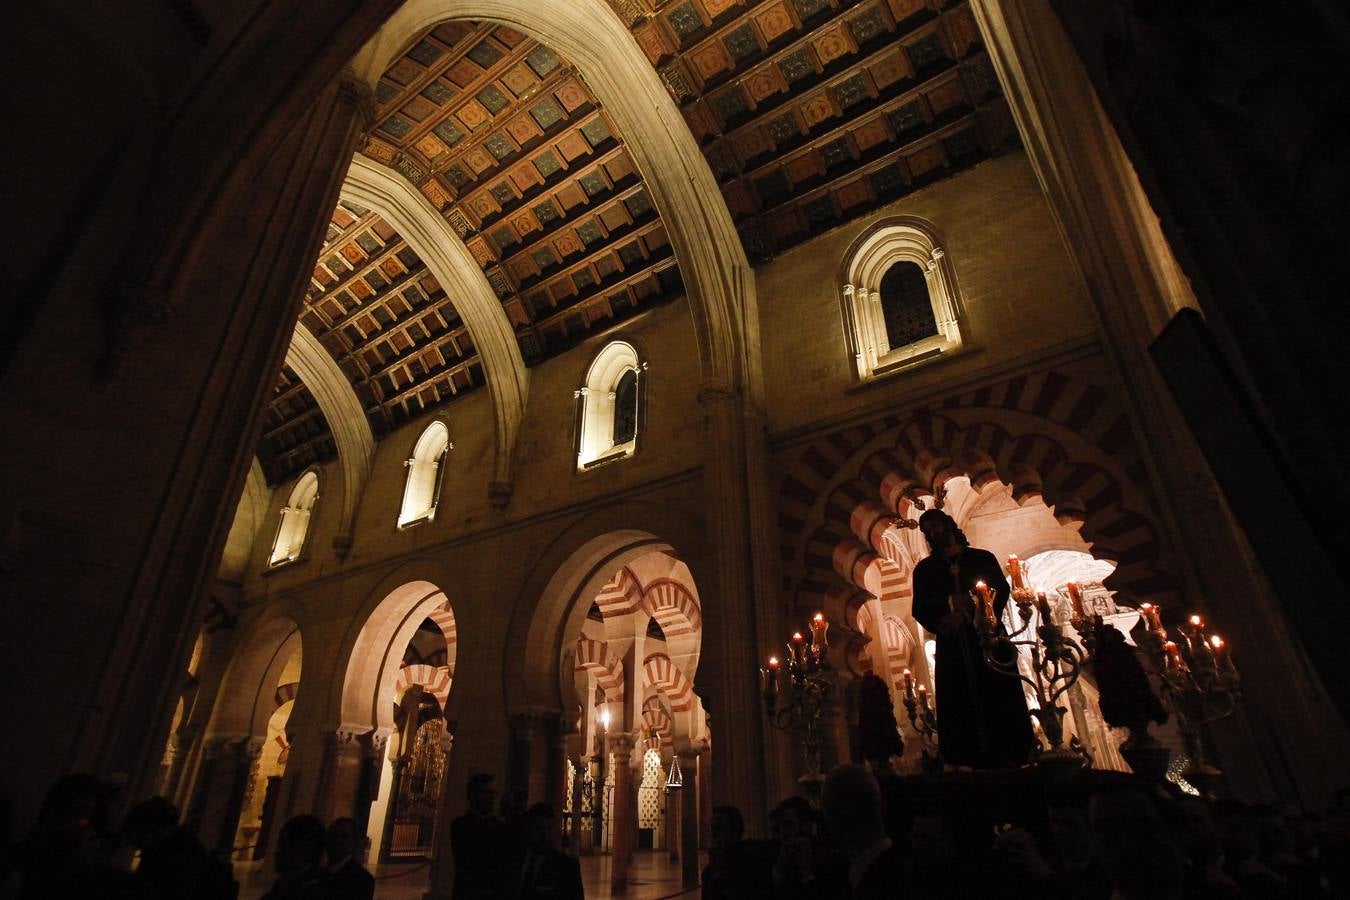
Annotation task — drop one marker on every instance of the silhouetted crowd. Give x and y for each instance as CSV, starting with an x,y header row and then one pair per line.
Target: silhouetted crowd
x,y
1010,835
74,852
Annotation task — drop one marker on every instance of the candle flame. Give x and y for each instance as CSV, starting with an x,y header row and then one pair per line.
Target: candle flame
x,y
797,636
820,617
1146,606
773,662
1216,641
604,718
907,672
1197,621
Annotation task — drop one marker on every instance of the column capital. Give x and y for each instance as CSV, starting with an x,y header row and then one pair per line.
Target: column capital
x,y
376,741
356,93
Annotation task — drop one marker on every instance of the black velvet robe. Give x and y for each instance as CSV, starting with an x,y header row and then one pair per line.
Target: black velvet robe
x,y
982,715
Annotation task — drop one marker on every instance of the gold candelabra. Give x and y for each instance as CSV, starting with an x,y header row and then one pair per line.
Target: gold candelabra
x,y
1199,682
1056,660
796,707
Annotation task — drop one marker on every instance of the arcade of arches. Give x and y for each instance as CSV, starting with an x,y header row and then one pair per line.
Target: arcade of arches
x,y
448,387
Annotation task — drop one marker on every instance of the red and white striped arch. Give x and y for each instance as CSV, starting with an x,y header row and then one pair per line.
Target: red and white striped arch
x,y
435,680
672,605
1047,434
621,595
595,656
657,719
666,677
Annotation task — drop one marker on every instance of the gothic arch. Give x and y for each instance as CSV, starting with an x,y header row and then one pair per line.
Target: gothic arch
x,y
718,279
346,418
430,236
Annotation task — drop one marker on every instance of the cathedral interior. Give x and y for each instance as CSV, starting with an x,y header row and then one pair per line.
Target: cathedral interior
x,y
627,341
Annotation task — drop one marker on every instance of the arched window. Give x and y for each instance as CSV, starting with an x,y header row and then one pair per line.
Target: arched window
x,y
426,469
900,300
295,516
609,406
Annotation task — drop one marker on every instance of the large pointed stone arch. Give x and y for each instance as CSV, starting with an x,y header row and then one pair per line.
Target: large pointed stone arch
x,y
718,280
346,419
429,235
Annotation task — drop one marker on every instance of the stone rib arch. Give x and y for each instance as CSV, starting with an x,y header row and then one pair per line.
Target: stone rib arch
x,y
346,419
718,279
430,236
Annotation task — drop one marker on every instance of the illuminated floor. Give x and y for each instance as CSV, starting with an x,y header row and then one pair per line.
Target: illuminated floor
x,y
654,876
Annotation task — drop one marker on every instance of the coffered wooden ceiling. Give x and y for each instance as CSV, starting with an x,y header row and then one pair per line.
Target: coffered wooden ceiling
x,y
392,330
507,142
295,433
811,112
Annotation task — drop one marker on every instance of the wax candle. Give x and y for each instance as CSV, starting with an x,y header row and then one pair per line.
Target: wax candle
x,y
1015,571
1076,598
1152,616
1174,660
797,649
819,628
909,684
986,601
1043,607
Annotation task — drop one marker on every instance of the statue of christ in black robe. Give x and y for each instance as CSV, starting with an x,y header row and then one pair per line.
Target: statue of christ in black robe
x,y
982,714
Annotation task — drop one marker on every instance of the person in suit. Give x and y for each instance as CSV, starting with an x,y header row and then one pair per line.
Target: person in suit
x,y
545,872
481,844
347,878
298,852
856,818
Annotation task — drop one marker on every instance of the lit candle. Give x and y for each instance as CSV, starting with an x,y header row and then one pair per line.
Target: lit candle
x,y
1015,571
769,677
923,695
796,650
1076,598
1152,616
820,626
909,684
986,603
1174,660
604,720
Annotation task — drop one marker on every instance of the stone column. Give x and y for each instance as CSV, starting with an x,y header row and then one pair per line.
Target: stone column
x,y
231,764
742,622
623,824
231,318
555,761
579,825
180,749
689,758
373,745
340,774
523,729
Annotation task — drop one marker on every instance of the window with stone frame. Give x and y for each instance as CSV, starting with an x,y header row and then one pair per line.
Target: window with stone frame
x,y
609,406
900,302
426,471
293,528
